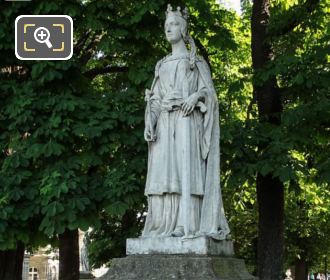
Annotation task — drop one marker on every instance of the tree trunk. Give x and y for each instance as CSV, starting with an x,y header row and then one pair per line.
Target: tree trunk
x,y
11,263
301,270
69,255
270,242
270,191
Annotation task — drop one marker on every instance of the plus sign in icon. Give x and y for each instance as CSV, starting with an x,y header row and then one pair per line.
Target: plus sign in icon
x,y
43,37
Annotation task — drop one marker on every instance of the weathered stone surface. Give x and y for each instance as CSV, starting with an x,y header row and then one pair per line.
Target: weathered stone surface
x,y
169,267
176,245
86,275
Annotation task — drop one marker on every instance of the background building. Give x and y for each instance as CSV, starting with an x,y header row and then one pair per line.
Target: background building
x,y
41,265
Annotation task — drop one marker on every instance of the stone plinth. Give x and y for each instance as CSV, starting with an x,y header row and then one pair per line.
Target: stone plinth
x,y
171,258
175,267
86,275
178,246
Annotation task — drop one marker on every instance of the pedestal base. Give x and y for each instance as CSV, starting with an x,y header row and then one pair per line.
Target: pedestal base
x,y
177,246
171,267
86,275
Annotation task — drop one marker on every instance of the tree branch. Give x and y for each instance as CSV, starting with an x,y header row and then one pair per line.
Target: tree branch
x,y
250,106
18,71
91,74
89,50
295,16
203,52
81,42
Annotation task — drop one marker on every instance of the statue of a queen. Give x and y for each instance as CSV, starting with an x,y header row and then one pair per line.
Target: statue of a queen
x,y
182,130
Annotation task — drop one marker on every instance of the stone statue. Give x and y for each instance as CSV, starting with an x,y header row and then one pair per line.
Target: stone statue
x,y
186,233
84,261
182,130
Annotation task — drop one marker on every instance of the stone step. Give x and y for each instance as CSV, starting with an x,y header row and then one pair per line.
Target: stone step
x,y
177,267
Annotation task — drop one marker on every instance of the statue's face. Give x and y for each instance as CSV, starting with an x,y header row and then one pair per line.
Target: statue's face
x,y
173,29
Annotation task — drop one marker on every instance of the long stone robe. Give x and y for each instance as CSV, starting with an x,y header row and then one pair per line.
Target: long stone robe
x,y
174,81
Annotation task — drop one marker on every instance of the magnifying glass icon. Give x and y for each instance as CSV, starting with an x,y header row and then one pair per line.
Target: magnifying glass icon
x,y
41,35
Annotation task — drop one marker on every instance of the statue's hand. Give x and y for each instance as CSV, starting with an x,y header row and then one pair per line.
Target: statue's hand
x,y
148,94
189,104
149,135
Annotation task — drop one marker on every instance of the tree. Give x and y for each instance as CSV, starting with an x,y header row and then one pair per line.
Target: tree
x,y
55,138
301,67
270,190
11,263
277,41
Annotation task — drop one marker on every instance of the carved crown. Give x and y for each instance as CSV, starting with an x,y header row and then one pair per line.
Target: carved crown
x,y
170,12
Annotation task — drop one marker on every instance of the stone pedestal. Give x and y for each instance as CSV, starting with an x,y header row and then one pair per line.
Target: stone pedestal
x,y
173,267
171,258
86,275
176,245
